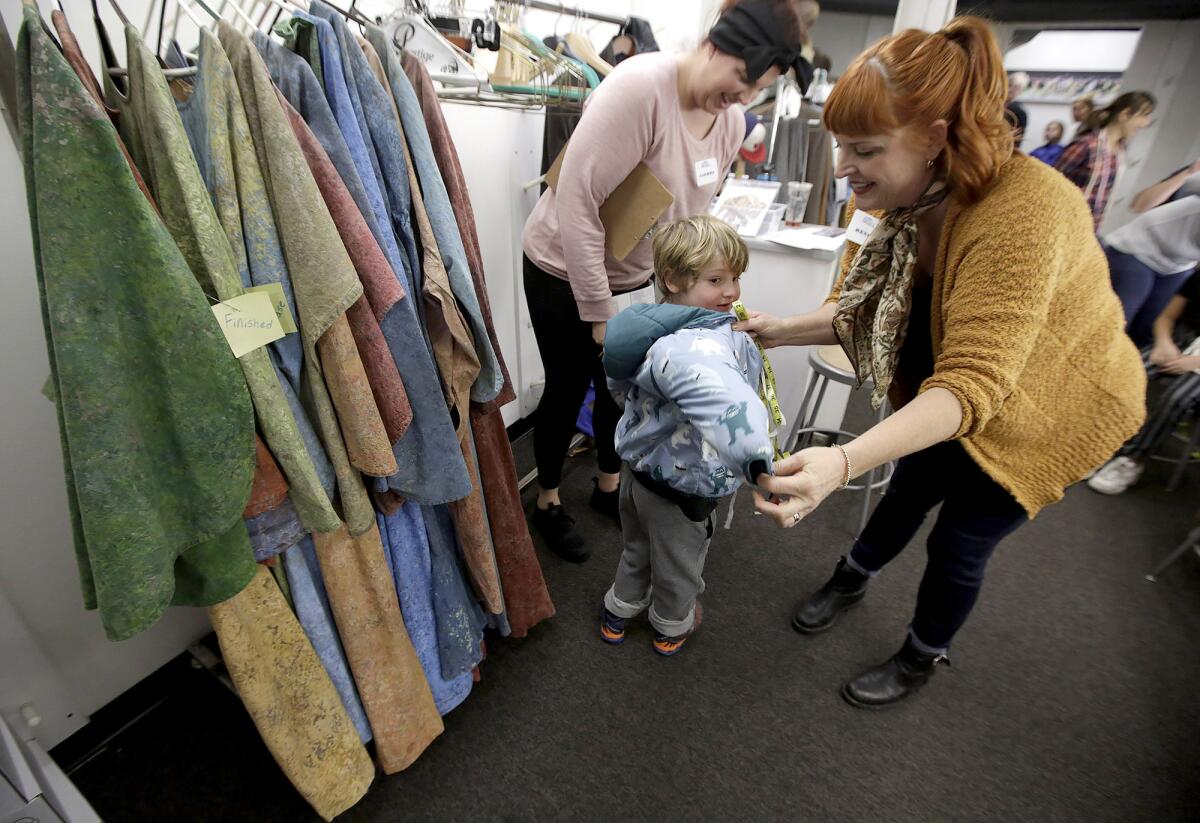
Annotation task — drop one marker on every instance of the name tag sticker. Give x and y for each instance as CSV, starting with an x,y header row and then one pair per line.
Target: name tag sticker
x,y
282,311
248,322
861,226
707,172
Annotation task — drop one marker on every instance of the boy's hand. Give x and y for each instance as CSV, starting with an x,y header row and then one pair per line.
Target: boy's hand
x,y
598,330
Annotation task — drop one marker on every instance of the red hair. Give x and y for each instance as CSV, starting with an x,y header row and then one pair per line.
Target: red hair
x,y
914,77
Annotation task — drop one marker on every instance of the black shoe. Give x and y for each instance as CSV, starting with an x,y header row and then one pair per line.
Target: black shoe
x,y
557,528
607,503
908,670
819,610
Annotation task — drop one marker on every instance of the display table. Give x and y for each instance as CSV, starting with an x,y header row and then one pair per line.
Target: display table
x,y
782,281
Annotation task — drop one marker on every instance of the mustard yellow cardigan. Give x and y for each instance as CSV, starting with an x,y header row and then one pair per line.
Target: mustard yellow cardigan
x,y
1029,335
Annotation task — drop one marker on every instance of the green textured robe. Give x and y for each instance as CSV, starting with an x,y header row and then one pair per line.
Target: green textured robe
x,y
154,133
156,423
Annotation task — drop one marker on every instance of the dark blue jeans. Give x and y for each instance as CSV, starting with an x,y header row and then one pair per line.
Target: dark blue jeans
x,y
977,513
1144,293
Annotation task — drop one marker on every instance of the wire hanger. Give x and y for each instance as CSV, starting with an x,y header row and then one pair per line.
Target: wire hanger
x,y
237,10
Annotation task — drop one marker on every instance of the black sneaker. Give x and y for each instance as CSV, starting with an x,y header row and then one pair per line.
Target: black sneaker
x,y
557,528
607,503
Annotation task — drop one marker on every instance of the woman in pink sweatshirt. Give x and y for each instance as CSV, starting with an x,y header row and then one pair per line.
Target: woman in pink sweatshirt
x,y
681,116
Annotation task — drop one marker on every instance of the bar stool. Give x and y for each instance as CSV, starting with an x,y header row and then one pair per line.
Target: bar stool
x,y
830,363
1184,459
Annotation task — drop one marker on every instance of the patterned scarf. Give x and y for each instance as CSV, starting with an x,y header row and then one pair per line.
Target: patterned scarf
x,y
872,311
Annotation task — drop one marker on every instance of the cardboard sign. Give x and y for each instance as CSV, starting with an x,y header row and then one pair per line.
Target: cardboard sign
x,y
630,212
248,322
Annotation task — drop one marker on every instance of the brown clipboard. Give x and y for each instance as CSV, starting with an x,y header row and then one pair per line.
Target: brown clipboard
x,y
630,211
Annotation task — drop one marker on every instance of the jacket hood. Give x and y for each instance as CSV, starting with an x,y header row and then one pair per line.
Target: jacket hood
x,y
633,331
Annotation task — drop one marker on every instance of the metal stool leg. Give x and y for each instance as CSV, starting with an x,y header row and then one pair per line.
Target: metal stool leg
x,y
1189,543
802,420
824,383
866,505
1186,457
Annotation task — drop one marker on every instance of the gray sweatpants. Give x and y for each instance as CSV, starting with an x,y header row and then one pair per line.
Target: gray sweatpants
x,y
663,560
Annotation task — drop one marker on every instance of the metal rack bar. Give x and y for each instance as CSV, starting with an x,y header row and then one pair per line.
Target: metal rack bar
x,y
563,8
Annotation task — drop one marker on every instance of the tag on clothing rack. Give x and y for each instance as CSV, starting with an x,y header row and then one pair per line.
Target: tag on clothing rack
x,y
248,322
279,301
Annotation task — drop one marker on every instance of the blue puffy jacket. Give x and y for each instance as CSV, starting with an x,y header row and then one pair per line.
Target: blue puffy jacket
x,y
693,418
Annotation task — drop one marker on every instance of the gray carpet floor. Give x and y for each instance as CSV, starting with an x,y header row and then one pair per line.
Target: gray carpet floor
x,y
1072,695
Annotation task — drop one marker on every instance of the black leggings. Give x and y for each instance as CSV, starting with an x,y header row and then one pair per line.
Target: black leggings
x,y
977,513
571,360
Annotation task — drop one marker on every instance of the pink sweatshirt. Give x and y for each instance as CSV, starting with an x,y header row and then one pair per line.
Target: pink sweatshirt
x,y
632,117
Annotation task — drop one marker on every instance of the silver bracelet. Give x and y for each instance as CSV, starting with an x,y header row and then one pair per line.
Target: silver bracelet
x,y
846,457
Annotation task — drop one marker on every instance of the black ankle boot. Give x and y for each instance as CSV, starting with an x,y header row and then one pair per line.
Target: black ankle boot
x,y
819,610
908,670
607,503
557,528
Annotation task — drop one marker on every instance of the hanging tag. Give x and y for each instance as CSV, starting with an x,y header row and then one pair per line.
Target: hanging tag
x,y
707,172
861,226
248,322
282,311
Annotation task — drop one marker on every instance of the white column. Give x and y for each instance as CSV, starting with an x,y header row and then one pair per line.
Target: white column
x,y
929,15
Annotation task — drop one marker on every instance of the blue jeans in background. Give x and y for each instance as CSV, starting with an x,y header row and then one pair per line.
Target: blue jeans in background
x,y
1144,293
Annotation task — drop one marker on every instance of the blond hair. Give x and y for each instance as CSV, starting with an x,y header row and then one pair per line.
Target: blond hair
x,y
686,248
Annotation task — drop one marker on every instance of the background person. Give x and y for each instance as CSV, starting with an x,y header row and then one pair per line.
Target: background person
x,y
1081,114
1052,149
1093,160
1018,81
1174,356
1151,256
680,115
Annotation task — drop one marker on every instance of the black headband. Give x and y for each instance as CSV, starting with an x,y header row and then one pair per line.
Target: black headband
x,y
752,31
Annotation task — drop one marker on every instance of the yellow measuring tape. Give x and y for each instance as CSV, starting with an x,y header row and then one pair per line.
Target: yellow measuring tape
x,y
766,387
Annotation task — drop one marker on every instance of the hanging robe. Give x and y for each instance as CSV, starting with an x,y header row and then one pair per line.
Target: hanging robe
x,y
431,470
526,599
156,426
289,696
390,680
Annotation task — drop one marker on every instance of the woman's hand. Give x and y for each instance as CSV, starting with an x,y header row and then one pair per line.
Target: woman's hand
x,y
1182,365
800,483
598,330
765,328
1164,352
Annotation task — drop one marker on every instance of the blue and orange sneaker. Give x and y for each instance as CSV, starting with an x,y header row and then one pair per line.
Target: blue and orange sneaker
x,y
667,645
612,628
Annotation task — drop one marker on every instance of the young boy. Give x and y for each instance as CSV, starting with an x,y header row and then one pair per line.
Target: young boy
x,y
693,425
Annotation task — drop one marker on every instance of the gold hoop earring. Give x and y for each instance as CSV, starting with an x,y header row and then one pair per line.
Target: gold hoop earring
x,y
929,164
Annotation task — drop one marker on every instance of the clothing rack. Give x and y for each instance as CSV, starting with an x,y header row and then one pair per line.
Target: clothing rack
x,y
563,8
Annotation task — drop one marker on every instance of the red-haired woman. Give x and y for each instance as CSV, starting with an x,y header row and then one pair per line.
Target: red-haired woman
x,y
980,306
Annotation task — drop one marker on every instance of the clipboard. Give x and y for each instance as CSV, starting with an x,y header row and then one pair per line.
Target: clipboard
x,y
632,209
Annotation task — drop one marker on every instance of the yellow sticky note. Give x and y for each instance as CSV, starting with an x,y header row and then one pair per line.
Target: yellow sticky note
x,y
248,322
282,311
